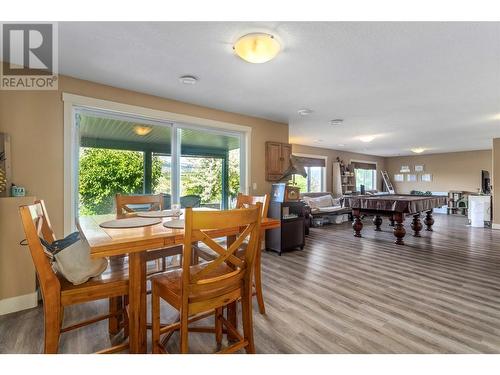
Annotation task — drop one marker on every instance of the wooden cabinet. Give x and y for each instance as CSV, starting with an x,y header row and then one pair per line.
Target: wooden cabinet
x,y
291,233
277,159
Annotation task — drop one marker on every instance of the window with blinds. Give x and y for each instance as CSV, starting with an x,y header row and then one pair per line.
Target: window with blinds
x,y
315,169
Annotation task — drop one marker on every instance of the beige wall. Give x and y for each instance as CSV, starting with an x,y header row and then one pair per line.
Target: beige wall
x,y
35,122
495,181
450,171
345,156
17,273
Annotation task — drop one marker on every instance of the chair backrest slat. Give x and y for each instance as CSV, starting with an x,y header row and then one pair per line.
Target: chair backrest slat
x,y
243,200
47,231
155,202
207,279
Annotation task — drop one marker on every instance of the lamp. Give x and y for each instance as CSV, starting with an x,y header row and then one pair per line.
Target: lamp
x,y
295,168
257,48
142,130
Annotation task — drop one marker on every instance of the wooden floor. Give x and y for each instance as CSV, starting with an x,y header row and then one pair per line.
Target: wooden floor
x,y
438,294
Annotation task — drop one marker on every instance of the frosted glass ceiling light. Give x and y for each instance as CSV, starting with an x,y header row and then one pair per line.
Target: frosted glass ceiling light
x,y
257,48
142,130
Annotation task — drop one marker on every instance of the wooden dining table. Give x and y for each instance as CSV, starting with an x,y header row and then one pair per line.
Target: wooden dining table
x,y
136,242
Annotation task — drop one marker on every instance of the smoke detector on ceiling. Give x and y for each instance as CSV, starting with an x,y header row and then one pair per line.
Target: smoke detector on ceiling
x,y
304,111
188,80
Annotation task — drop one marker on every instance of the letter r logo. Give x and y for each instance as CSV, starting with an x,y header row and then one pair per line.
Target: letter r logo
x,y
27,49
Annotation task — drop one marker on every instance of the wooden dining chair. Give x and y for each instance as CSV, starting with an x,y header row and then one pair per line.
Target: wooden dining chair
x,y
57,292
125,203
202,290
243,201
153,202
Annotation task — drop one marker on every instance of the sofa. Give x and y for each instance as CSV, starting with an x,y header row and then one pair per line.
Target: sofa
x,y
324,205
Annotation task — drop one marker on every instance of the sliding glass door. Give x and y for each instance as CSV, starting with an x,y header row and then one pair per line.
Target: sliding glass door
x,y
120,154
209,167
132,155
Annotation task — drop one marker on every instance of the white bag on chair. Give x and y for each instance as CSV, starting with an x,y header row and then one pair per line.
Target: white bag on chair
x,y
71,258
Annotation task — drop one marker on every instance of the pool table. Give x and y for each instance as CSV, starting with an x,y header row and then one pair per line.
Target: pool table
x,y
396,207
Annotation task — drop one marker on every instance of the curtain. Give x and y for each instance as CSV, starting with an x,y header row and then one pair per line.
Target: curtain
x,y
309,162
360,165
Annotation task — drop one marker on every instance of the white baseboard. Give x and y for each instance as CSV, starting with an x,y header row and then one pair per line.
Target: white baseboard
x,y
18,303
495,226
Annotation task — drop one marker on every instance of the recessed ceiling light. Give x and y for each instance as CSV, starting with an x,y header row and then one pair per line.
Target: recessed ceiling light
x,y
496,117
142,130
188,80
367,138
257,48
336,122
418,150
304,112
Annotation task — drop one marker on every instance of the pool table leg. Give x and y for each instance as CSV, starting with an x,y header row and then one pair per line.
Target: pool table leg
x,y
357,224
391,221
429,220
416,225
399,229
377,221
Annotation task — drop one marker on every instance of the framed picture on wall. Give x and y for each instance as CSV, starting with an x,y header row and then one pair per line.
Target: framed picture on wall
x,y
419,168
411,177
405,169
426,177
399,177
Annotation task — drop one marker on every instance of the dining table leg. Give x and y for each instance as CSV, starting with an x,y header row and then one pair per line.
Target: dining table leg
x,y
232,308
137,303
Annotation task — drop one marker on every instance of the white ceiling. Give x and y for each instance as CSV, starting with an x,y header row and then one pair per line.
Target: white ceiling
x,y
431,85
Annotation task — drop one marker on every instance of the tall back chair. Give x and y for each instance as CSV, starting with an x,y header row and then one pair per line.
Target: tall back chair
x,y
208,287
248,201
124,203
124,208
190,201
56,291
243,200
167,201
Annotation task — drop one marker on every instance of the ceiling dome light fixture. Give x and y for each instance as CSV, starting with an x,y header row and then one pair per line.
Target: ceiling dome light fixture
x,y
142,130
336,122
304,112
188,80
257,48
367,138
418,150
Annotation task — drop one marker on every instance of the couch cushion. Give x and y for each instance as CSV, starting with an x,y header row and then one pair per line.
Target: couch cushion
x,y
323,201
330,209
